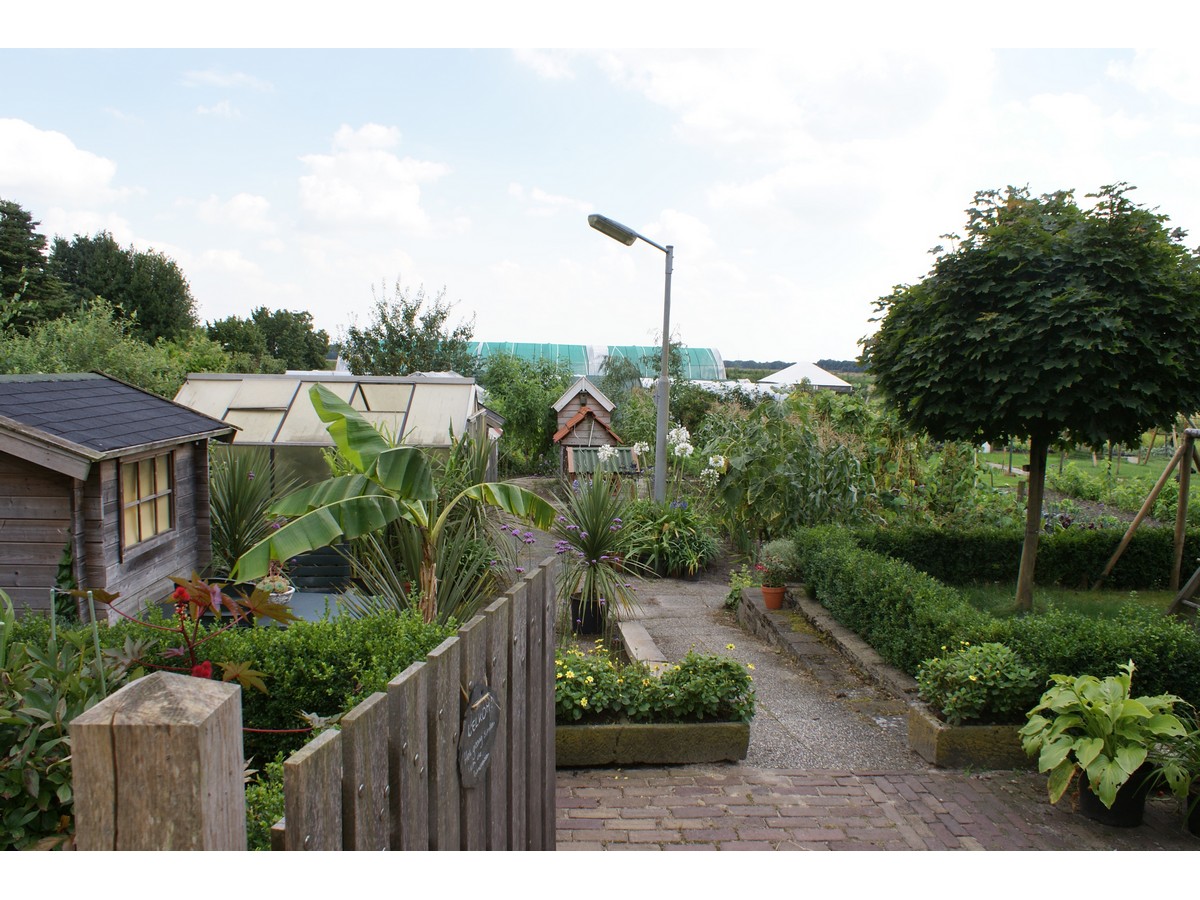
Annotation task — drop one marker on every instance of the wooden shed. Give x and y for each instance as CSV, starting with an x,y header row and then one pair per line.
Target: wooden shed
x,y
104,477
584,417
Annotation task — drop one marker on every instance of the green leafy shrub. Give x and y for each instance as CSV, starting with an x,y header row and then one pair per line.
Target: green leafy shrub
x,y
907,616
779,562
322,668
671,539
592,687
264,804
45,681
1071,557
983,684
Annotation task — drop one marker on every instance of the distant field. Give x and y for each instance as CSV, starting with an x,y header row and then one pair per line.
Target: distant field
x,y
1122,467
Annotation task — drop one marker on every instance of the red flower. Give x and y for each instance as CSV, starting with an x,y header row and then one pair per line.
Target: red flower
x,y
180,595
204,670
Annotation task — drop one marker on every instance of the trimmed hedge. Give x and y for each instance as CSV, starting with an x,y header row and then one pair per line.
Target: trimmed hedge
x,y
1073,557
905,614
909,616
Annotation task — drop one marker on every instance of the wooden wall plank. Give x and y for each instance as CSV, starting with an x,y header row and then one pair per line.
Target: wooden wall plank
x,y
472,670
536,725
312,786
366,823
517,703
444,705
408,754
498,615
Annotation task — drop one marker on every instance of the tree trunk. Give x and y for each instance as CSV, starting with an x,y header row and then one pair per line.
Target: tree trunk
x,y
1038,445
428,578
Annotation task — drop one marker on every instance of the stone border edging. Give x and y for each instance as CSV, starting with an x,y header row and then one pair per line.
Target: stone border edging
x,y
775,625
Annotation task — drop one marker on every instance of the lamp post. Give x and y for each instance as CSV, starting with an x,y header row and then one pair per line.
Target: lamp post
x,y
627,236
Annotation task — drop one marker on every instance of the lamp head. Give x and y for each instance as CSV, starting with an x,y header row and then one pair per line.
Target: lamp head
x,y
614,230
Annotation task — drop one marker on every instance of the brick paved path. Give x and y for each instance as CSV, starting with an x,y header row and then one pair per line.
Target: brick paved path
x,y
828,768
734,807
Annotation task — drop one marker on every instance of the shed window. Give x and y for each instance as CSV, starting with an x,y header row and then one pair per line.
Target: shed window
x,y
146,499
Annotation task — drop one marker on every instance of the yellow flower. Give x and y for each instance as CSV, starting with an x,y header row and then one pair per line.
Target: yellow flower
x,y
645,682
750,666
570,674
589,679
972,677
583,702
730,647
558,674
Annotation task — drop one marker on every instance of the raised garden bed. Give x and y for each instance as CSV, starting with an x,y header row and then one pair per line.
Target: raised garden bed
x,y
632,744
964,746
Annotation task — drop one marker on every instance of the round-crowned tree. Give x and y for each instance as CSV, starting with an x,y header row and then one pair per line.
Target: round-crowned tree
x,y
1050,321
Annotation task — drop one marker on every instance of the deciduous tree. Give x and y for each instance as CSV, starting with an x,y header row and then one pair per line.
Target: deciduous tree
x,y
1047,320
405,336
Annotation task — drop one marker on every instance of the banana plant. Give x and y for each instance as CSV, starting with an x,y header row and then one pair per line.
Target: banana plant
x,y
387,483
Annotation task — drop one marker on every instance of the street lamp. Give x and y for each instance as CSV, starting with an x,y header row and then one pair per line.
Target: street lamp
x,y
627,236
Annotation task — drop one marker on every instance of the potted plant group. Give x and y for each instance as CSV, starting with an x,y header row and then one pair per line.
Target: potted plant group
x,y
1084,724
277,584
776,567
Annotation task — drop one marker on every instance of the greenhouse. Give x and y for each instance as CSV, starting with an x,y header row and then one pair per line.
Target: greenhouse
x,y
699,363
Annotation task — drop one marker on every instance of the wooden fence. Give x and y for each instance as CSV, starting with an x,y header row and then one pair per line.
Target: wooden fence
x,y
457,754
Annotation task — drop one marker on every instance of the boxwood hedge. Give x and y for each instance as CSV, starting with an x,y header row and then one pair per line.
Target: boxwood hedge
x,y
908,616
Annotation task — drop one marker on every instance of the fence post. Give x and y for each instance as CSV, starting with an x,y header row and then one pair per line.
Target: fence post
x,y
158,766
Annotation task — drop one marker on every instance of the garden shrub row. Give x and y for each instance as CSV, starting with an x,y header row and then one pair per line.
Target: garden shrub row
x,y
909,616
1073,557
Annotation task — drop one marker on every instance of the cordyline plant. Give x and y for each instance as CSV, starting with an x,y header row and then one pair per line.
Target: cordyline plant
x,y
193,598
387,483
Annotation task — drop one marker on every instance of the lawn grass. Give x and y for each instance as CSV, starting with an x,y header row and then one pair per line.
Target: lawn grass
x,y
998,599
1122,468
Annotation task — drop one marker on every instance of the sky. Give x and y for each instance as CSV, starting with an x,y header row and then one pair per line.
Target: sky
x,y
798,179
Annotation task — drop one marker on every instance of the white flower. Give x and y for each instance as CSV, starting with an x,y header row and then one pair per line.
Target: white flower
x,y
677,436
607,452
684,449
717,462
641,447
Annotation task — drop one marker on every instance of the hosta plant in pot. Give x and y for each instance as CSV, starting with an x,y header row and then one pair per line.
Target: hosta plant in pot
x,y
1091,725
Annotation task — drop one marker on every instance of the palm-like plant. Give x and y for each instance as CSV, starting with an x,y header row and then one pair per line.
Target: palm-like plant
x,y
387,483
594,546
243,485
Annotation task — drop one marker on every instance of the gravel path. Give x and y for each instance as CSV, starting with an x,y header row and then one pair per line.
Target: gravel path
x,y
806,718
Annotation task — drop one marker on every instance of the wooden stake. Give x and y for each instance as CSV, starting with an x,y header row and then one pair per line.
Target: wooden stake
x,y
1142,513
1185,478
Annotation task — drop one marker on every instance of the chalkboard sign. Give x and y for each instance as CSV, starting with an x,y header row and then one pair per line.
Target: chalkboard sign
x,y
478,735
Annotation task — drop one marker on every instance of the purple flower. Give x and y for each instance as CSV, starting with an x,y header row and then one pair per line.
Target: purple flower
x,y
249,476
520,570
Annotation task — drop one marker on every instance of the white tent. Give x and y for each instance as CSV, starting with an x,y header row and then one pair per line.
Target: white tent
x,y
813,374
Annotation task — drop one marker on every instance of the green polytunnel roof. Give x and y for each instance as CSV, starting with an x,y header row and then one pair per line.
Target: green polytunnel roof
x,y
699,363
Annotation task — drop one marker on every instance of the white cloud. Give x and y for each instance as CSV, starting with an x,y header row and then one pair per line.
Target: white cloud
x,y
245,212
229,261
1174,72
552,64
223,110
540,203
363,183
217,78
46,167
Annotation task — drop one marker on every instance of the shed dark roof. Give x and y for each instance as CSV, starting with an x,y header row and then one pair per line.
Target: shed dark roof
x,y
97,413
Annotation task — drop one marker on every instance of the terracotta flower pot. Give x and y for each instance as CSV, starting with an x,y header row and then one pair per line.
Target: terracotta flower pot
x,y
773,597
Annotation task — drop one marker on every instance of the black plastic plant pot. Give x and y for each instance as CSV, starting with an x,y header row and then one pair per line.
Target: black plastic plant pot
x,y
1129,806
586,618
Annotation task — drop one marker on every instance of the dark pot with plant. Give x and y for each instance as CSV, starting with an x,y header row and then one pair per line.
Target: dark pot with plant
x,y
1087,725
593,544
1177,766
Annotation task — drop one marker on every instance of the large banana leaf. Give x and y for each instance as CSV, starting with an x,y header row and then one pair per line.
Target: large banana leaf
x,y
515,500
333,490
405,472
355,437
348,518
